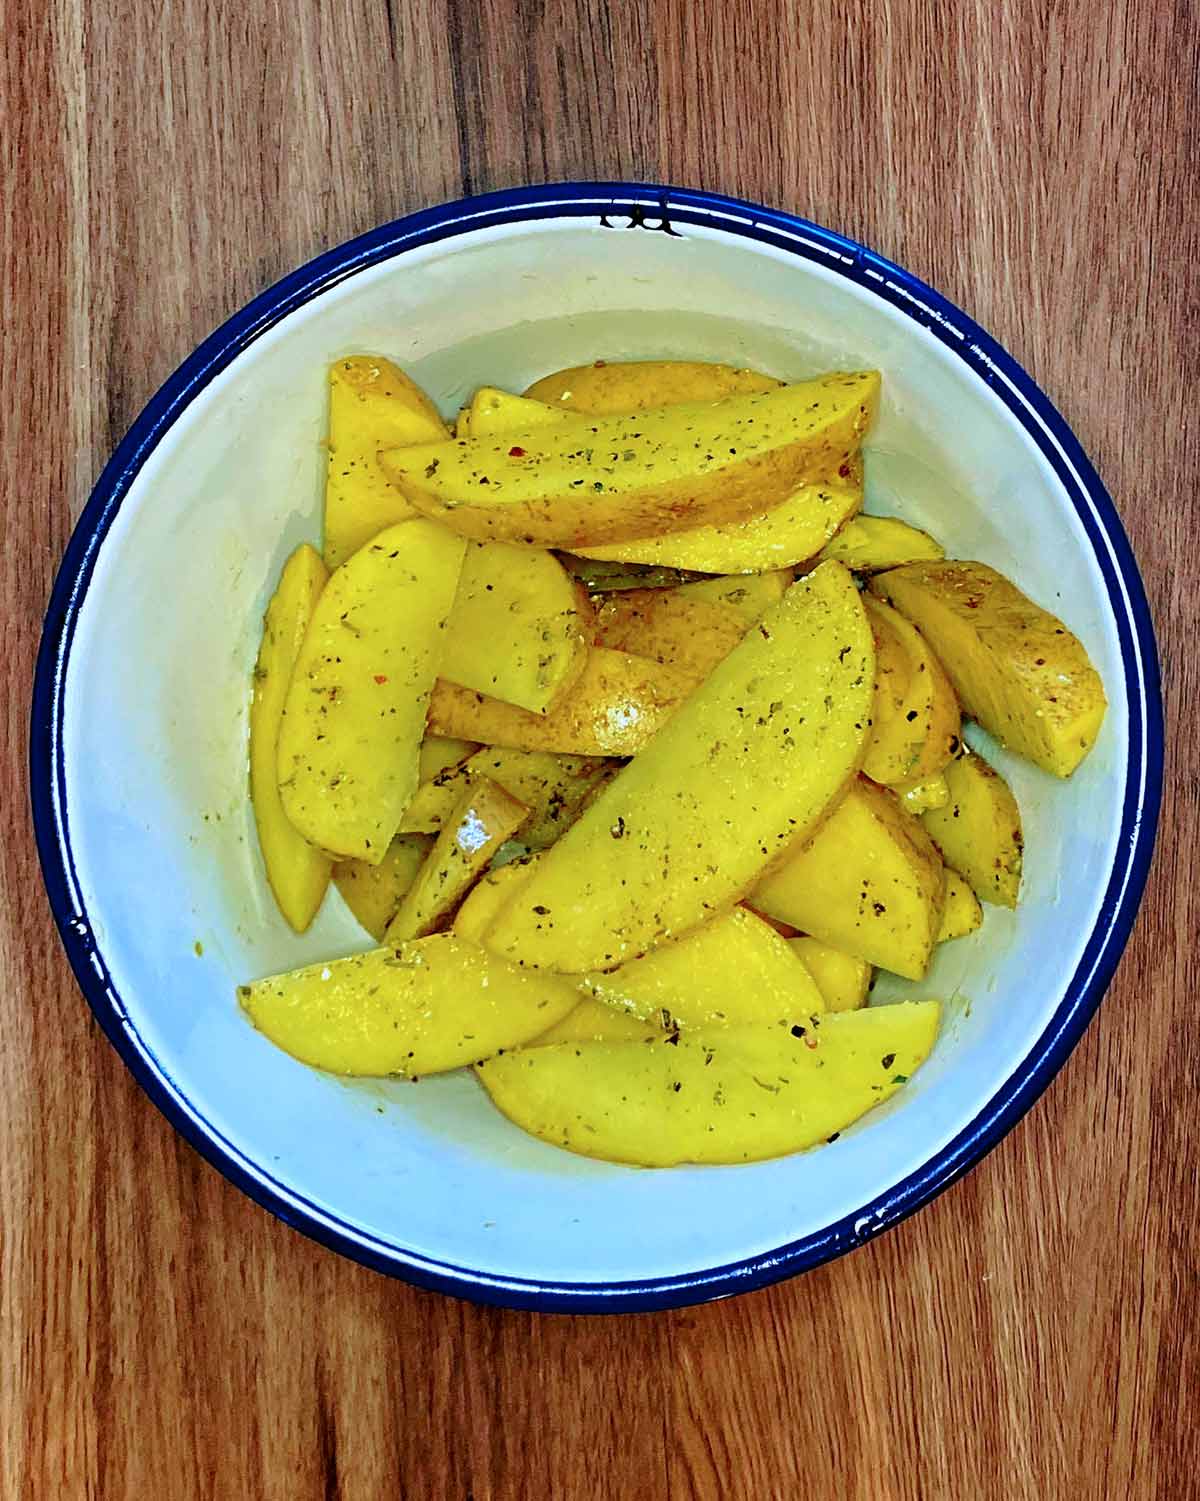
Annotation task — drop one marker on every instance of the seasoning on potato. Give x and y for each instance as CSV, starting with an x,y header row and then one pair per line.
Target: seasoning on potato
x,y
633,782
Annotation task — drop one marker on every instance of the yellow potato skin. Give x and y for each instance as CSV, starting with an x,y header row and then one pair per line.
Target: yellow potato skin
x,y
613,708
374,892
742,770
608,387
1015,667
665,625
869,544
735,1096
372,405
917,726
354,718
978,830
733,971
483,819
611,479
518,630
297,872
869,882
843,979
425,1007
962,913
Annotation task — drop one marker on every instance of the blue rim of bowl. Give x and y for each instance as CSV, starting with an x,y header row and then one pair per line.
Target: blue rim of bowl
x,y
649,208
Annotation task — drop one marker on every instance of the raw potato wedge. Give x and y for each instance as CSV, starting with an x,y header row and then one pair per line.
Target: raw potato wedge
x,y
485,818
372,405
1015,667
593,1021
555,789
608,387
869,544
962,913
920,797
440,753
494,412
916,725
488,896
870,882
612,479
744,768
423,1008
354,719
613,708
517,630
298,874
843,979
979,830
374,892
751,595
736,1096
691,634
734,971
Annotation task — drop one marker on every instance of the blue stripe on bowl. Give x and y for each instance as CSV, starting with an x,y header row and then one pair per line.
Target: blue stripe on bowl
x,y
674,206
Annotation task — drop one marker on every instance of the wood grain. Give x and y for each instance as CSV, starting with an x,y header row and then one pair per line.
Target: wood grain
x,y
1032,1334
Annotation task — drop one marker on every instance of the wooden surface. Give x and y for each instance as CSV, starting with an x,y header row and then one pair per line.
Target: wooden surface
x,y
1033,1333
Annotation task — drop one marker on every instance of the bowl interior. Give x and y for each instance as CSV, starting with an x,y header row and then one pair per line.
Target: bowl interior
x,y
154,746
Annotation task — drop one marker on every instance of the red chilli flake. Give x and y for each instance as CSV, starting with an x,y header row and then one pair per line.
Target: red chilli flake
x,y
516,453
844,471
381,677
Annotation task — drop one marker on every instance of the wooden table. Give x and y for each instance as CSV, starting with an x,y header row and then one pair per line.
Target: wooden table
x,y
1034,1332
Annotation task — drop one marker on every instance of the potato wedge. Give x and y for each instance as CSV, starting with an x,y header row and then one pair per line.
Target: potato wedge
x,y
1015,667
979,830
485,818
916,725
962,913
488,895
374,892
744,768
422,1008
737,1096
691,634
734,971
869,544
608,387
494,411
593,1021
462,423
869,882
612,709
518,629
354,718
843,979
611,479
751,594
297,873
922,796
440,753
372,405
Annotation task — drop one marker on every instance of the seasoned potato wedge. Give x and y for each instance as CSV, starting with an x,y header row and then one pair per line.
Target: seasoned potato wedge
x,y
691,634
843,979
1015,667
613,708
485,817
608,387
730,972
868,544
922,796
593,1021
869,882
372,405
979,830
735,1096
494,411
518,629
298,874
744,768
610,479
962,913
555,789
374,892
421,1008
439,753
916,725
488,895
751,595
354,719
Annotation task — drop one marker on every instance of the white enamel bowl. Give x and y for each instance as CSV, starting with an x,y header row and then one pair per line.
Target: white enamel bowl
x,y
139,737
